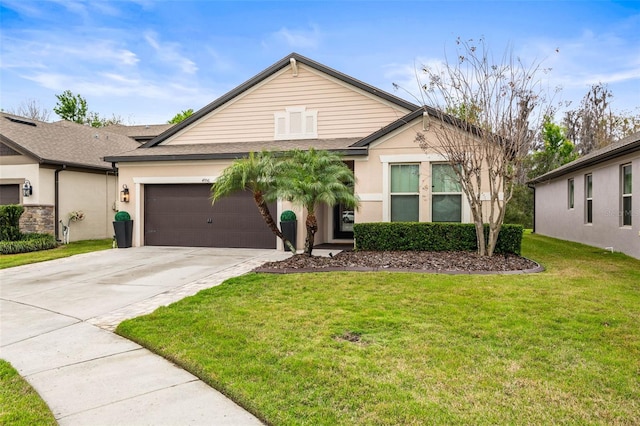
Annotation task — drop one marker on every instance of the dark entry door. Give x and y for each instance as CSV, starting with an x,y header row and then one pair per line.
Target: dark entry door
x,y
182,215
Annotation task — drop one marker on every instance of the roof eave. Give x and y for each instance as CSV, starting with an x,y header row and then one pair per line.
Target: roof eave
x,y
581,164
348,152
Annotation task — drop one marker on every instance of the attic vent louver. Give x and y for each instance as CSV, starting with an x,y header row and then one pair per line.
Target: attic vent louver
x,y
17,120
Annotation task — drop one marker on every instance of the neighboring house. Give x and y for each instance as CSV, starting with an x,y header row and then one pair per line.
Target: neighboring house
x,y
595,199
62,167
141,133
295,103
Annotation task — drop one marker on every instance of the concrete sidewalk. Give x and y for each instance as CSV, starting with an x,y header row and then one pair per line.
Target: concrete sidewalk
x,y
55,328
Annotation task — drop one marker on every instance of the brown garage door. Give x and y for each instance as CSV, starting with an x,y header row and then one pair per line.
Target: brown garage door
x,y
182,215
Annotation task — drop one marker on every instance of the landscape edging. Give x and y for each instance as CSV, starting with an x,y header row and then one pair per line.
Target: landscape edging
x,y
535,270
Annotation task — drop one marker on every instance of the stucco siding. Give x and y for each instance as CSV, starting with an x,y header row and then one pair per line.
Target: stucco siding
x,y
343,111
93,194
373,175
554,217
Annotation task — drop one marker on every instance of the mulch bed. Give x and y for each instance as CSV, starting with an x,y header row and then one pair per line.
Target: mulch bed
x,y
414,261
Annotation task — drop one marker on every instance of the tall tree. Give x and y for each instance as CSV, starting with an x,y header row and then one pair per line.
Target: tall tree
x,y
594,125
554,150
488,145
310,178
31,109
255,173
71,107
74,108
181,116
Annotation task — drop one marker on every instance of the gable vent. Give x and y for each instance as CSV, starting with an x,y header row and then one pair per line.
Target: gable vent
x,y
18,120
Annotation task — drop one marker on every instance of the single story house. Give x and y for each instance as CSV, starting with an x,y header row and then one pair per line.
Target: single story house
x,y
594,200
295,103
54,169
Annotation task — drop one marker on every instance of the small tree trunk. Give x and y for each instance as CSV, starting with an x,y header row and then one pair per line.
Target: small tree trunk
x,y
312,227
263,208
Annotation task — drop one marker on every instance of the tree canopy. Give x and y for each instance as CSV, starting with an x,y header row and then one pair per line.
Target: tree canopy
x,y
255,173
313,177
487,115
181,116
74,108
71,107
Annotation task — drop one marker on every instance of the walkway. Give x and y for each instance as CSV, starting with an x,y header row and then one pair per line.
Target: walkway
x,y
56,320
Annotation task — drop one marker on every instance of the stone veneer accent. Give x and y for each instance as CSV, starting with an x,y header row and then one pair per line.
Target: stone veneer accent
x,y
39,219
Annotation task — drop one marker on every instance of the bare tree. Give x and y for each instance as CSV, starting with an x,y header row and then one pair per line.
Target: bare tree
x,y
31,109
594,125
486,113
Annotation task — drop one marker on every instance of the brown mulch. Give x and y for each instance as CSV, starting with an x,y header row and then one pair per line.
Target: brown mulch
x,y
450,262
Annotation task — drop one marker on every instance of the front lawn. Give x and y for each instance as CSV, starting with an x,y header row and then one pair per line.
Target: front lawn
x,y
19,403
66,250
562,346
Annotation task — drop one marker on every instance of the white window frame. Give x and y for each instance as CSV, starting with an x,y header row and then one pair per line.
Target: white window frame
x,y
625,195
588,198
417,193
309,124
433,193
571,193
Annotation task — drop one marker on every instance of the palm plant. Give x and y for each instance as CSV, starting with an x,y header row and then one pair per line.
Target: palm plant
x,y
254,173
310,178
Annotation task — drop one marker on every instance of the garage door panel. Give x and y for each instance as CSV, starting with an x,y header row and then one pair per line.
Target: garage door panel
x,y
182,215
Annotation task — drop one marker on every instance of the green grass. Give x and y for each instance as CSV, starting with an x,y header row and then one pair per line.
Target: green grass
x,y
19,403
562,346
78,247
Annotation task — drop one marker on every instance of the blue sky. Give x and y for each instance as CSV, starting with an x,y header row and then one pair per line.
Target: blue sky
x,y
147,60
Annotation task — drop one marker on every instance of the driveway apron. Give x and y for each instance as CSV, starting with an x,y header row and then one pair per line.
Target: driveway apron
x,y
56,323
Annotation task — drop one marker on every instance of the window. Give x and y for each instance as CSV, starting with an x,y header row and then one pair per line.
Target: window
x,y
588,193
570,192
625,172
296,123
405,192
446,200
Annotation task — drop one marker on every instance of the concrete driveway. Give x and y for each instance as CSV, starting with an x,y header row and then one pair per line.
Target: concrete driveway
x,y
56,320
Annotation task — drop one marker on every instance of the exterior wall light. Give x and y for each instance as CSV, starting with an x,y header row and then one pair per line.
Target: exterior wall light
x,y
124,194
27,189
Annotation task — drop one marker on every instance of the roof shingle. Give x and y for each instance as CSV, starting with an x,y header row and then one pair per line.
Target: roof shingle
x,y
62,142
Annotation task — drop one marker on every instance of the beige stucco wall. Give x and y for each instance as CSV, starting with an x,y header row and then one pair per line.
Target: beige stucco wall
x,y
554,217
373,174
372,183
343,111
92,193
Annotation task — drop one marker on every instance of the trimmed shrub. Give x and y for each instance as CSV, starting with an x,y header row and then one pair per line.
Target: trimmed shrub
x,y
430,236
28,243
287,216
122,216
10,222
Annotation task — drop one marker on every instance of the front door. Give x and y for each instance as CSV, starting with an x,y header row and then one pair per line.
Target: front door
x,y
343,222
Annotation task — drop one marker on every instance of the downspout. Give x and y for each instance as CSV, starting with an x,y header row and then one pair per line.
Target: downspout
x,y
534,206
56,211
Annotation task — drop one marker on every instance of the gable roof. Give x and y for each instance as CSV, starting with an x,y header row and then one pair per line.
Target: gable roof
x,y
63,142
284,62
624,146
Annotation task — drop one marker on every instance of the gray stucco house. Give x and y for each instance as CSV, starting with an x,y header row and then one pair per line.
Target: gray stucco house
x,y
595,199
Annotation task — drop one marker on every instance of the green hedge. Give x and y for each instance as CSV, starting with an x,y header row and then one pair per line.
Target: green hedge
x,y
28,243
9,222
428,236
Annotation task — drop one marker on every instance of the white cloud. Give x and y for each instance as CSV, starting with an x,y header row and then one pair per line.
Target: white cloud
x,y
298,39
169,53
